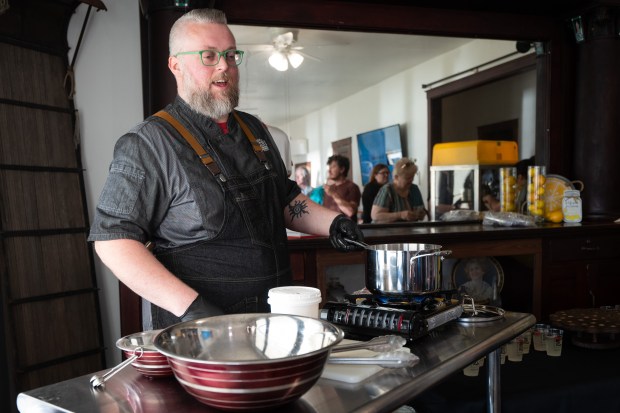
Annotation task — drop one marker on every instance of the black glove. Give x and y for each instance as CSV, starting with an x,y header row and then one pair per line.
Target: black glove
x,y
341,228
200,308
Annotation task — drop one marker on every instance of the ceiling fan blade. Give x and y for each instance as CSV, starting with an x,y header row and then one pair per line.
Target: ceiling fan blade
x,y
255,47
316,59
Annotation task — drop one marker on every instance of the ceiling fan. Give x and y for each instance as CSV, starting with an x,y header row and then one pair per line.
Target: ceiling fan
x,y
283,51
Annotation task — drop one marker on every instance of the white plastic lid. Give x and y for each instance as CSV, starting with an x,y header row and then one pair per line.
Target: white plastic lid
x,y
571,192
296,295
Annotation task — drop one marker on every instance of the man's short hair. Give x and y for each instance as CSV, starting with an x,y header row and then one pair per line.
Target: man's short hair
x,y
343,162
193,16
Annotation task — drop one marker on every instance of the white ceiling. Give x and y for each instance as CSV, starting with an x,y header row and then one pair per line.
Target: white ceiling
x,y
344,63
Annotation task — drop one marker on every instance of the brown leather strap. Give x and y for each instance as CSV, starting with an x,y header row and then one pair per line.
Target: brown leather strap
x,y
205,158
258,150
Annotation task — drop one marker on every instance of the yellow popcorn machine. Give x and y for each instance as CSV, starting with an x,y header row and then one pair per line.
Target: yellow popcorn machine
x,y
463,172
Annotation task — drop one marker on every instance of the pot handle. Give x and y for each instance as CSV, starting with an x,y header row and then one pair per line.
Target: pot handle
x,y
440,253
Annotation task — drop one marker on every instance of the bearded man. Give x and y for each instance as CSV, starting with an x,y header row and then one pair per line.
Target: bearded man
x,y
204,186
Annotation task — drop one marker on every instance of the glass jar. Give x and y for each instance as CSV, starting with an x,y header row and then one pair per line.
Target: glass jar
x,y
571,206
536,192
507,189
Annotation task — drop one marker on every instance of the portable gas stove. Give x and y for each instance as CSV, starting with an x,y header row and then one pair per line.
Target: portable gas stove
x,y
410,315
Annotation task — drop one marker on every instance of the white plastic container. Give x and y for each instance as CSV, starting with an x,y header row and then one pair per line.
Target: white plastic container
x,y
302,301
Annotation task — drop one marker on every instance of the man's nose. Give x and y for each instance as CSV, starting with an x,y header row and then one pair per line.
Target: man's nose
x,y
222,64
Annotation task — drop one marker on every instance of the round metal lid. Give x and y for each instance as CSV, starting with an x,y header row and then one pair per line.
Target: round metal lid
x,y
480,313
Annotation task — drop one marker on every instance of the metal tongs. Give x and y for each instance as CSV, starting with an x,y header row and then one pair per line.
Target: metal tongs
x,y
390,359
391,354
378,344
98,381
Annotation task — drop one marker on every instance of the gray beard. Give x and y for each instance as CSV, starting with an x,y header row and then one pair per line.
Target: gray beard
x,y
206,104
203,102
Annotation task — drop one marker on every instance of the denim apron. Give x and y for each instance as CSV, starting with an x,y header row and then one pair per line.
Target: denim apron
x,y
235,270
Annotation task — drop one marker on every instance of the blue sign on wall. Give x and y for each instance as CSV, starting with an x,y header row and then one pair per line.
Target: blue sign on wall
x,y
379,146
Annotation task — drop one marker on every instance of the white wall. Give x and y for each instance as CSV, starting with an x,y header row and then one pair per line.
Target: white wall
x,y
109,102
108,98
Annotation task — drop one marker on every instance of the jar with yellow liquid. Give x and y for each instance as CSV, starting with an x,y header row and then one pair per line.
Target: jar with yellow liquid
x,y
536,192
507,189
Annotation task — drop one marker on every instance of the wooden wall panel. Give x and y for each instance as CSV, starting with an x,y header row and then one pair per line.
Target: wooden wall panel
x,y
40,200
36,137
32,76
58,328
46,265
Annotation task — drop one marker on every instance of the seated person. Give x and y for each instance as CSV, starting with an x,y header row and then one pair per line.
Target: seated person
x,y
302,178
490,200
400,200
379,176
340,193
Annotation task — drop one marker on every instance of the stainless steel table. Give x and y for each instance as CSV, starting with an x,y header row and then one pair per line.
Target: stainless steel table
x,y
446,350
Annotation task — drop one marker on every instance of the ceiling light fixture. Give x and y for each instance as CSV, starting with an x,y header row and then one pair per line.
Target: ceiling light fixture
x,y
296,59
284,52
277,60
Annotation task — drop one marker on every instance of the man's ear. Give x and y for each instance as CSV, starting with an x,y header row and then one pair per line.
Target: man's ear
x,y
173,65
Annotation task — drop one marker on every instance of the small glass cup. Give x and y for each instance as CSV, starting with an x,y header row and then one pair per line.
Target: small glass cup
x,y
507,189
515,349
527,341
538,336
536,192
474,368
553,342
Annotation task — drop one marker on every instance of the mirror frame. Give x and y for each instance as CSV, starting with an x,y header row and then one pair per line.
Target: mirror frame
x,y
555,71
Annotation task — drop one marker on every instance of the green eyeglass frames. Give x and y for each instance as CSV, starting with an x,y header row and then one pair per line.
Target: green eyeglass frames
x,y
212,57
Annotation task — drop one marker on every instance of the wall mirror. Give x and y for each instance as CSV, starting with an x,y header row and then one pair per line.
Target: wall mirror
x,y
322,69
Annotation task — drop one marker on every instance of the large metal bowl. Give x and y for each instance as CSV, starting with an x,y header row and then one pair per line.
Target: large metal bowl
x,y
151,363
248,361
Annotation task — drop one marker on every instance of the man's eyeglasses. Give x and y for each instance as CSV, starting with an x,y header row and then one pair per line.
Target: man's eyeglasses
x,y
212,57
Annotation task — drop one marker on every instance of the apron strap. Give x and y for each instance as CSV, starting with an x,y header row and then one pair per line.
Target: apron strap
x,y
205,158
258,149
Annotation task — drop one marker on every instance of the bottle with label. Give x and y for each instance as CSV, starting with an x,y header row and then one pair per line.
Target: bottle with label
x,y
571,206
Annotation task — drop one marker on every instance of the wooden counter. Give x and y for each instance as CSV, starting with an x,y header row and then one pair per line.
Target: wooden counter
x,y
571,265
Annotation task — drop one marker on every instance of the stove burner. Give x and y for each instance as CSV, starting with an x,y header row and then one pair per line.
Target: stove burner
x,y
411,316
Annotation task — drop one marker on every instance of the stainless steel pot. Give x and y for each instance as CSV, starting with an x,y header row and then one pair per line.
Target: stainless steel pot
x,y
393,269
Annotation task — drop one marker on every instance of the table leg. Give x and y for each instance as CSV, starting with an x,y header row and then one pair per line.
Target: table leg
x,y
494,402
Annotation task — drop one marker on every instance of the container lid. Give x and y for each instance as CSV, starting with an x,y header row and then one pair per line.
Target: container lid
x,y
300,295
480,313
571,192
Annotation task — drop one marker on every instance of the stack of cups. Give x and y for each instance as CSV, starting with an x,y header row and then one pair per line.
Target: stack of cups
x,y
508,181
303,301
536,192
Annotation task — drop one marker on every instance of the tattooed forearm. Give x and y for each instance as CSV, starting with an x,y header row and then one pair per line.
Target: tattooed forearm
x,y
297,209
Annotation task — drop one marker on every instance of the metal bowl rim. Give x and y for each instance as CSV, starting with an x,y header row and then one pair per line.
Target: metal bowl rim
x,y
124,343
338,332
